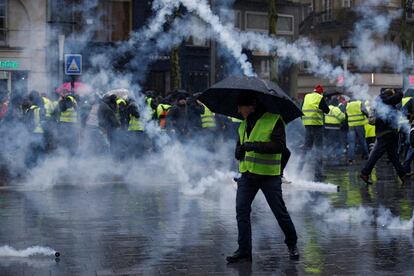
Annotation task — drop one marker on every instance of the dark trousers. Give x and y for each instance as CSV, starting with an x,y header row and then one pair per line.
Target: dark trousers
x,y
387,143
272,190
408,159
356,135
333,145
314,139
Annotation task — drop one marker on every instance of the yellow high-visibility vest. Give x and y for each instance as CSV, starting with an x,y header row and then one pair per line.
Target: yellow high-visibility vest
x,y
135,124
162,112
405,100
313,116
260,163
208,119
355,115
70,115
335,116
369,129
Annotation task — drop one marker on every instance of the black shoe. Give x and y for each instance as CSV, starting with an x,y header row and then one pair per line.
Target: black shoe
x,y
239,257
293,253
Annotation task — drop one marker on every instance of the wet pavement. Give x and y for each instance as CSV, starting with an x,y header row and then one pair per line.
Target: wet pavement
x,y
129,229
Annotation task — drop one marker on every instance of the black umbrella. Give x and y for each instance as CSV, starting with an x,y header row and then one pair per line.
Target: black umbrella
x,y
222,97
331,93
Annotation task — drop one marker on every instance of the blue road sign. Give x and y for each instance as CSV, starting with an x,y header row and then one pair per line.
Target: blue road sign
x,y
73,64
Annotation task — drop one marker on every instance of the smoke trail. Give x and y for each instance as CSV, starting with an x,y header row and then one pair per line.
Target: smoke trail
x,y
225,35
8,251
373,26
387,220
361,215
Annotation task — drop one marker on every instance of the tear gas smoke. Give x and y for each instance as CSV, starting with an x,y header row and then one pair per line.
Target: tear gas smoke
x,y
192,168
371,51
8,251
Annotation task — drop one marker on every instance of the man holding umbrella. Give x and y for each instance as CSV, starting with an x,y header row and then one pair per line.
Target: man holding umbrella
x,y
261,141
265,108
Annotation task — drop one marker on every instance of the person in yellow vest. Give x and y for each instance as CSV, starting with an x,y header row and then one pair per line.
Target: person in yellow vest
x,y
138,142
369,130
68,123
162,112
208,119
119,146
93,139
313,108
357,115
34,118
259,149
332,124
151,102
50,124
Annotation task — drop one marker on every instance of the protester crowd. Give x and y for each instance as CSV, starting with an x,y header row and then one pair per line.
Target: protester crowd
x,y
37,125
337,127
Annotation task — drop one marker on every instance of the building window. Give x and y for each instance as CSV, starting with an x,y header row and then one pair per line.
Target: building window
x,y
259,22
3,22
285,24
110,21
199,27
237,20
197,42
310,7
347,3
327,10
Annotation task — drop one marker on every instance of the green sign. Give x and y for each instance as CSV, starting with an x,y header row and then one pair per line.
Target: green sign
x,y
9,64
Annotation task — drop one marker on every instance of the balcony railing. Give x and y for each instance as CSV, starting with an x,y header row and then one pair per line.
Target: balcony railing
x,y
331,18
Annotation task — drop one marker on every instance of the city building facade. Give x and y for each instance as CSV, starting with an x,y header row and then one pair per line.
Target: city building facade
x,y
23,45
330,22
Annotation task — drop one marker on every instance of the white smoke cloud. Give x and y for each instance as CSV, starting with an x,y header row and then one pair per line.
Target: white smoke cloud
x,y
8,251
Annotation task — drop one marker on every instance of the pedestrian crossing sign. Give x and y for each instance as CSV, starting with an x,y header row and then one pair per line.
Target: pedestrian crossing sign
x,y
73,64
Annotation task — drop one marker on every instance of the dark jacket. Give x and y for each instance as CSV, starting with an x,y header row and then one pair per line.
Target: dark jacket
x,y
386,113
183,118
106,115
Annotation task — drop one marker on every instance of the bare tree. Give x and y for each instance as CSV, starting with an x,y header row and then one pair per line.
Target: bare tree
x,y
175,62
272,13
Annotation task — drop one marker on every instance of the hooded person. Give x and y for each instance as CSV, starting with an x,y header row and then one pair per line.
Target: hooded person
x,y
93,142
385,117
138,142
332,124
259,149
356,115
108,120
68,123
314,107
34,118
180,115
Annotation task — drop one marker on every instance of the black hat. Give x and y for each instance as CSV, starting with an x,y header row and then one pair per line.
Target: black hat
x,y
246,99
